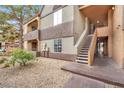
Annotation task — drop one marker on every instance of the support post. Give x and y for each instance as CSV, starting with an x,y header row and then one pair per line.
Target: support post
x,y
110,24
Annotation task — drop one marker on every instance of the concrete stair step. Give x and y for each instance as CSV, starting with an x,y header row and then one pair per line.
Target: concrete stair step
x,y
83,58
82,61
82,55
83,50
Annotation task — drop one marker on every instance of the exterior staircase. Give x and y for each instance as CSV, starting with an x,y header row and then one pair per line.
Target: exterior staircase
x,y
83,54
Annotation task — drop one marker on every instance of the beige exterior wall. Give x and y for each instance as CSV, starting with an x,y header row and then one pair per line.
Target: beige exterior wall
x,y
67,13
79,23
47,9
67,45
47,21
28,35
118,36
26,28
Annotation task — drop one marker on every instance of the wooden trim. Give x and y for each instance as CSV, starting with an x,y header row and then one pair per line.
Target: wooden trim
x,y
82,7
92,49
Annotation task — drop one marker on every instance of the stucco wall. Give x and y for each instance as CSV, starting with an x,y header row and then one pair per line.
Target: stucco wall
x,y
67,13
47,21
26,26
58,31
67,45
79,23
47,9
118,35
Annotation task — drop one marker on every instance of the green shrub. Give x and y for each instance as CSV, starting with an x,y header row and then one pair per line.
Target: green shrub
x,y
6,65
3,60
21,56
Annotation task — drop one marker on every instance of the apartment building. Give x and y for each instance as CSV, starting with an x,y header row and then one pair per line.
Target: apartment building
x,y
77,33
57,31
8,45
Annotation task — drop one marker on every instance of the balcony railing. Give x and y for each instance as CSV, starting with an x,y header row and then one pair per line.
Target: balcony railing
x,y
31,35
102,31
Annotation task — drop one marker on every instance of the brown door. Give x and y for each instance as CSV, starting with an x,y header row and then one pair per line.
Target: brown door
x,y
34,46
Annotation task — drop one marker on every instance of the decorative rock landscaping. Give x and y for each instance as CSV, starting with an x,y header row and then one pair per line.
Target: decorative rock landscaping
x,y
44,73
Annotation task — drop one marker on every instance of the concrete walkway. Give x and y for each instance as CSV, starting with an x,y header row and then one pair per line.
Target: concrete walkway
x,y
78,81
104,70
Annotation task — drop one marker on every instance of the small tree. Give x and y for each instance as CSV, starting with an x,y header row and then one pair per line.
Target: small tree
x,y
21,56
17,14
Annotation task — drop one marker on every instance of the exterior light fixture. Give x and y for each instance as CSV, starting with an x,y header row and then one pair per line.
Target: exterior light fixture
x,y
97,21
113,8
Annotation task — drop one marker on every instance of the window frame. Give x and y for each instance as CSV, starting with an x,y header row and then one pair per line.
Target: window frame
x,y
58,45
57,17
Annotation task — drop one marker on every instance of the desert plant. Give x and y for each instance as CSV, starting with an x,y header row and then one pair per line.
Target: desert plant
x,y
3,60
12,60
21,56
7,64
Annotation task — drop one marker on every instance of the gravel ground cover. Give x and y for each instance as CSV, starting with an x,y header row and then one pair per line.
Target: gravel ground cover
x,y
44,73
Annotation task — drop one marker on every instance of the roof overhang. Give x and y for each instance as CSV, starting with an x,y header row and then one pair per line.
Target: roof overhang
x,y
95,12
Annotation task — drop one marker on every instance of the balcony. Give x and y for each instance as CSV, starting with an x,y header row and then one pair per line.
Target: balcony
x,y
58,31
31,35
102,31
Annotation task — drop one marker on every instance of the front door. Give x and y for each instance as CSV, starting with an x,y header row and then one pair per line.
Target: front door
x,y
34,46
102,47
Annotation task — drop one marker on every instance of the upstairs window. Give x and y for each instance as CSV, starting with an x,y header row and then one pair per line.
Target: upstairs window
x,y
58,17
34,28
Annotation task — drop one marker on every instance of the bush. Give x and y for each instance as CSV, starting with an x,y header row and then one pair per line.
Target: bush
x,y
3,60
20,56
6,65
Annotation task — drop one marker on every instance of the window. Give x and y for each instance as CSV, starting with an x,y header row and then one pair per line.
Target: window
x,y
58,17
57,45
34,46
34,28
